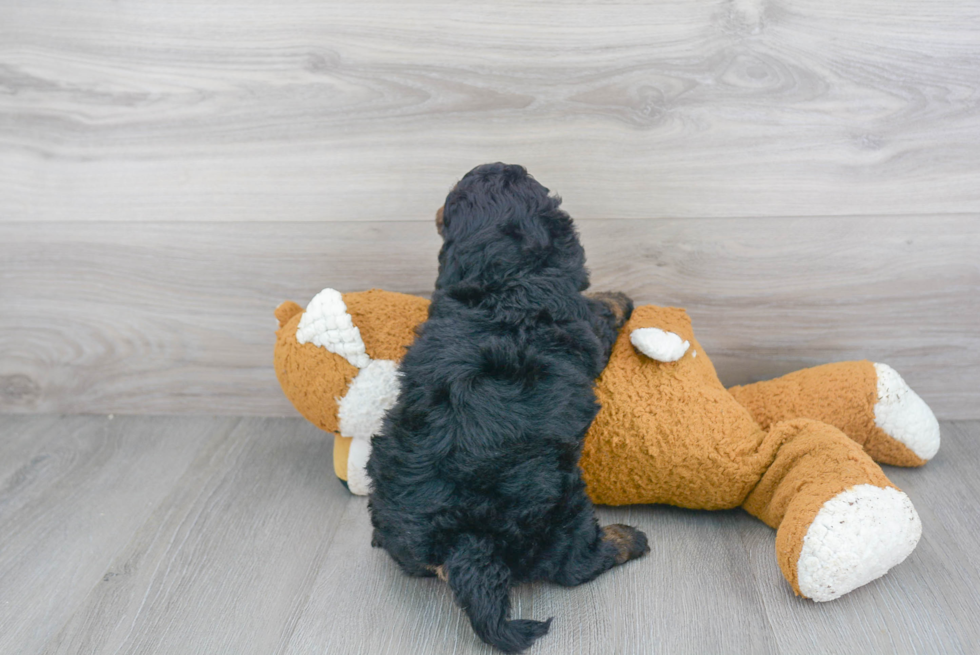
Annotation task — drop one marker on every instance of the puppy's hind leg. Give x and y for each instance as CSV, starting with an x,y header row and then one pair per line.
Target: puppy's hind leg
x,y
592,550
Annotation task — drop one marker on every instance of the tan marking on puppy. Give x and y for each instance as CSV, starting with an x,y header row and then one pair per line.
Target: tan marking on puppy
x,y
440,572
618,304
623,538
439,219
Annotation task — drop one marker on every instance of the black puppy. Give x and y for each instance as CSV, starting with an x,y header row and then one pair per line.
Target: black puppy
x,y
475,472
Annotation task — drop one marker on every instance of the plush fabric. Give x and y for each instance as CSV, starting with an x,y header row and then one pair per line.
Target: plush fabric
x,y
791,451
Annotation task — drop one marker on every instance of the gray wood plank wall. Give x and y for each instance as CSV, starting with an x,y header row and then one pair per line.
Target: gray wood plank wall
x,y
804,177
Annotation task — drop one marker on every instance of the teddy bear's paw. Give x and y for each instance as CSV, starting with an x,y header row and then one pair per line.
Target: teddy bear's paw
x,y
856,537
358,480
658,344
903,416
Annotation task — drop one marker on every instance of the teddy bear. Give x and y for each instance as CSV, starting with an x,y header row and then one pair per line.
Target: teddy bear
x,y
798,452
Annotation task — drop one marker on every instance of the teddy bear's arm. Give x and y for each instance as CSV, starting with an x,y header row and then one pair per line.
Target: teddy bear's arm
x,y
658,344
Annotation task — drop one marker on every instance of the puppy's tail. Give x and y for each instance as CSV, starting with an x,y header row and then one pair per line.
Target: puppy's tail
x,y
481,583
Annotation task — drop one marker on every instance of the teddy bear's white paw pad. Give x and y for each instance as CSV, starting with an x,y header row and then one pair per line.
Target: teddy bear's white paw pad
x,y
658,344
857,536
358,480
903,416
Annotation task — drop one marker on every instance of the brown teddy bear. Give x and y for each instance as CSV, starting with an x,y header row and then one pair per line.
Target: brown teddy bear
x,y
798,452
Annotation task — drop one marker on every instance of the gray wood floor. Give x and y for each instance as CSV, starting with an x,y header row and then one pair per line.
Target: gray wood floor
x,y
230,535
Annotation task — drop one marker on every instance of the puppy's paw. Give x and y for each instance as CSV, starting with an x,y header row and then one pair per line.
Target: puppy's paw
x,y
630,543
618,303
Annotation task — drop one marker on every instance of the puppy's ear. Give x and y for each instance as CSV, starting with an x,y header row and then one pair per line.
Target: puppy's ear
x,y
537,239
458,205
532,236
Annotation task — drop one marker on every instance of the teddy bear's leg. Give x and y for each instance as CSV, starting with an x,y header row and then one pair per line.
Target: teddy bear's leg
x,y
358,480
840,522
341,453
870,403
350,457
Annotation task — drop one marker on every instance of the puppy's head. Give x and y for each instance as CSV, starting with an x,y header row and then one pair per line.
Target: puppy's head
x,y
492,194
499,222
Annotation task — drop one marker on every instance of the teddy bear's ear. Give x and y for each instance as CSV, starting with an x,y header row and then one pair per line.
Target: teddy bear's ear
x,y
658,344
327,324
286,311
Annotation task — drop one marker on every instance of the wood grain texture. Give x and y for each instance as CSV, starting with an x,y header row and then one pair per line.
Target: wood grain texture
x,y
622,614
73,502
341,111
22,438
238,539
164,317
929,603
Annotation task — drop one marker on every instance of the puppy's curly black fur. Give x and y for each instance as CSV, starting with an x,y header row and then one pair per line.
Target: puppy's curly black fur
x,y
475,471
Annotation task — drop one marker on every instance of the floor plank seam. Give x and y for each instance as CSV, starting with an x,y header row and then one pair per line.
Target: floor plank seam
x,y
757,587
